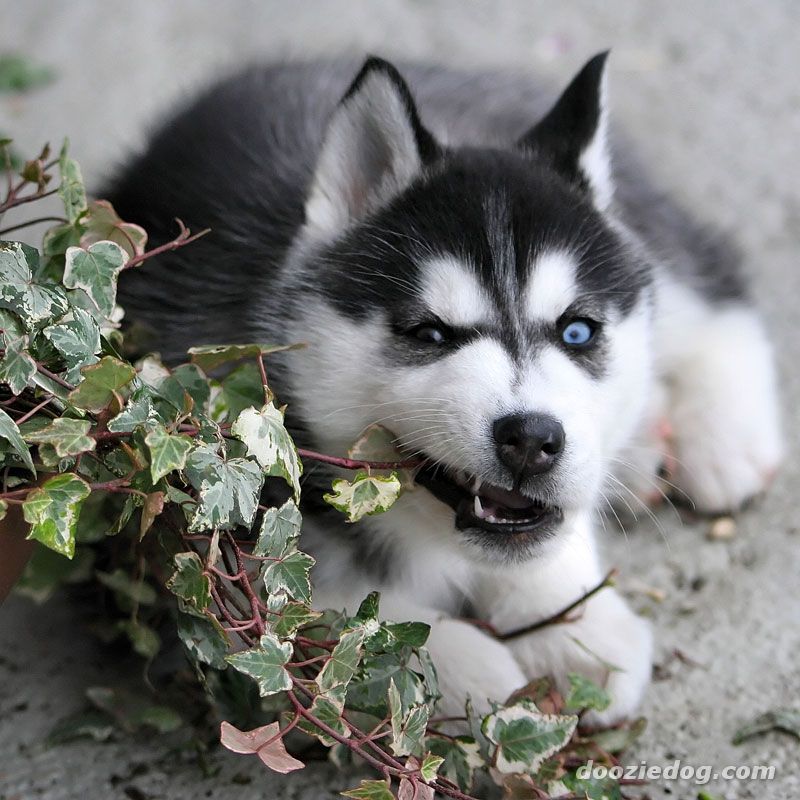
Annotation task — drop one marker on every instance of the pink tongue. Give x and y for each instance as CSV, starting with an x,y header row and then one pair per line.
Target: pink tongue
x,y
504,498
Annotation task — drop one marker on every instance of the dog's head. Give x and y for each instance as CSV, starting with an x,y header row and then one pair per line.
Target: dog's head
x,y
481,303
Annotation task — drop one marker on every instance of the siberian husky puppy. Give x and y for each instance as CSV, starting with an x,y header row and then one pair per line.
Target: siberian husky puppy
x,y
471,268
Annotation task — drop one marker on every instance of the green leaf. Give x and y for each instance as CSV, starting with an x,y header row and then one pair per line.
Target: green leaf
x,y
168,452
211,356
95,725
280,529
189,582
71,191
144,640
10,433
293,616
408,730
525,737
228,490
364,495
268,441
340,668
126,588
19,293
102,223
368,690
371,790
584,694
460,758
241,389
3,509
19,74
204,638
616,740
68,436
100,382
290,574
780,719
266,664
95,270
194,383
47,571
52,510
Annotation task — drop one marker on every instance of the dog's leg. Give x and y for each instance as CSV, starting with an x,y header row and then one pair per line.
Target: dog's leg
x,y
604,641
723,404
469,662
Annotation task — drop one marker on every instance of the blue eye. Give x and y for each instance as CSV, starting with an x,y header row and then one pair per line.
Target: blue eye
x,y
578,332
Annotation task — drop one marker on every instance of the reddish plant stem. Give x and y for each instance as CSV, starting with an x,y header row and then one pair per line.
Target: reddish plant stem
x,y
183,238
246,586
354,463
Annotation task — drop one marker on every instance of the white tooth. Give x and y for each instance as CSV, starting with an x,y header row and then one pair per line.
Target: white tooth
x,y
478,507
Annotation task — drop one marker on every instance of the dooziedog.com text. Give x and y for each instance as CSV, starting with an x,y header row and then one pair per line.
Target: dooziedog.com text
x,y
700,775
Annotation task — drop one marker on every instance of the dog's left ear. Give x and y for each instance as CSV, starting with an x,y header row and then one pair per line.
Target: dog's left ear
x,y
375,146
573,135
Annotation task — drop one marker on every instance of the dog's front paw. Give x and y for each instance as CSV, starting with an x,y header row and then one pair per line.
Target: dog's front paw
x,y
470,664
725,417
608,644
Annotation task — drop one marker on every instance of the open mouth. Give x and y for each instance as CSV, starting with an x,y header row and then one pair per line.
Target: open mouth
x,y
482,505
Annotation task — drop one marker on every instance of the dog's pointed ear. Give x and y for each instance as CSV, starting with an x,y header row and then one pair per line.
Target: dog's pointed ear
x,y
573,135
375,146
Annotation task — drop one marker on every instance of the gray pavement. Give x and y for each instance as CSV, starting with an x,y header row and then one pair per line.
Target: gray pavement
x,y
709,91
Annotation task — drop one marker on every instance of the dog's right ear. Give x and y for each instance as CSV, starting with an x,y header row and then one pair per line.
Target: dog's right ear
x,y
375,146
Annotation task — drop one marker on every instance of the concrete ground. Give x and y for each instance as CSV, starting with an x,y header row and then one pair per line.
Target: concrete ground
x,y
710,92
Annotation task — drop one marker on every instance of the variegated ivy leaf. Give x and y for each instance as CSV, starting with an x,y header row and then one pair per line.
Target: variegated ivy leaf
x,y
280,529
3,509
17,368
525,737
52,511
228,490
364,495
204,638
341,667
68,437
266,664
330,713
32,302
168,451
9,432
268,441
95,270
429,766
71,190
189,581
368,690
100,383
102,223
408,730
292,615
211,356
290,574
78,341
138,411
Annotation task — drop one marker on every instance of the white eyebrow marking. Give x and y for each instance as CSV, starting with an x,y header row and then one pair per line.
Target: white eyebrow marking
x,y
452,291
551,287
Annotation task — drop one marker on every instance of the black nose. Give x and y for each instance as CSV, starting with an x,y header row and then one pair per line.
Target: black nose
x,y
528,444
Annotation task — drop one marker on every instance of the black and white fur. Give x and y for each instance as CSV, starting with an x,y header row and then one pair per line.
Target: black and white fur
x,y
459,202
